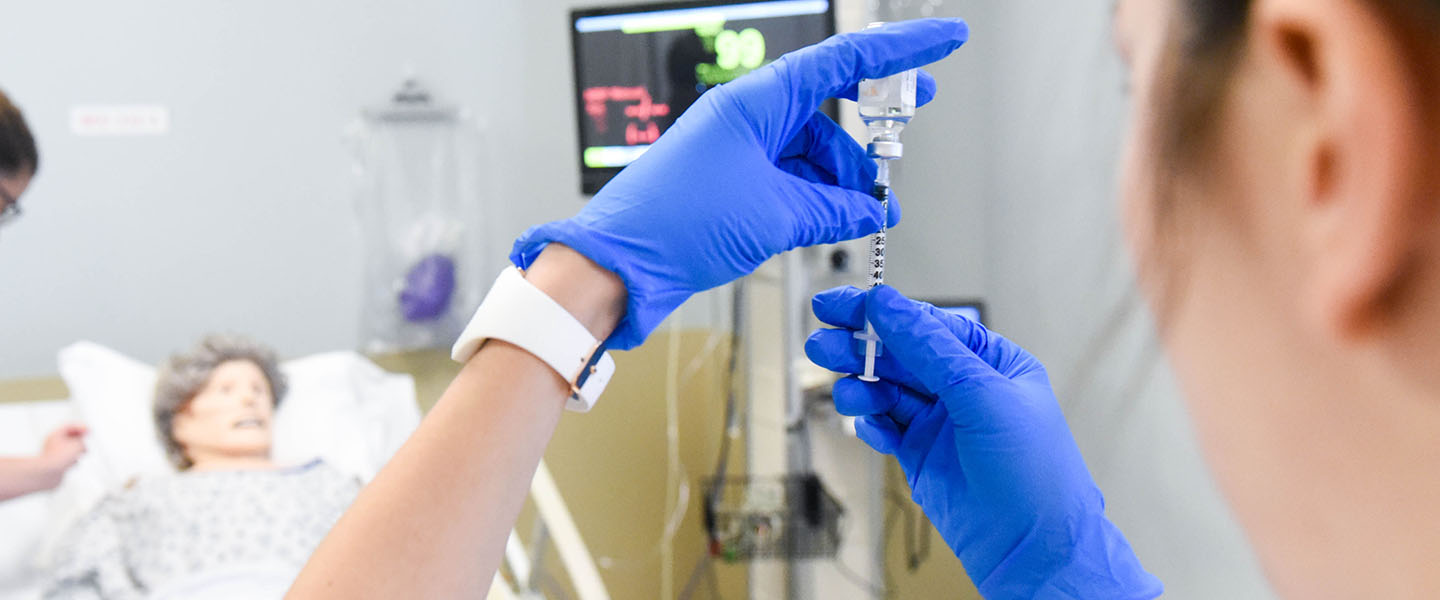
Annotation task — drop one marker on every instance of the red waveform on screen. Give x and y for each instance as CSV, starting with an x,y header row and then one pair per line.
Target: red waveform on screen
x,y
638,106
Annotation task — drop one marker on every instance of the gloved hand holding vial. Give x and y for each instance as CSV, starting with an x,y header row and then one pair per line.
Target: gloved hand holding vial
x,y
886,106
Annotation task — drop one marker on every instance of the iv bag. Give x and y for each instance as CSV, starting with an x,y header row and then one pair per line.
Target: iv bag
x,y
423,222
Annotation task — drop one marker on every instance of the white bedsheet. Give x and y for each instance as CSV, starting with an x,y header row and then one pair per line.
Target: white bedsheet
x,y
22,431
240,582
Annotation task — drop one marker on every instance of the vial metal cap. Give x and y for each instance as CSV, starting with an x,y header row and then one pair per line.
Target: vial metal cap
x,y
885,150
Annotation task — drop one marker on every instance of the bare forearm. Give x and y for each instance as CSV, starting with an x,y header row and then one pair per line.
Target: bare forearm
x,y
433,523
27,474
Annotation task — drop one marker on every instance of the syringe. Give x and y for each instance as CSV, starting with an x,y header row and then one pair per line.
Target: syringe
x,y
877,267
886,107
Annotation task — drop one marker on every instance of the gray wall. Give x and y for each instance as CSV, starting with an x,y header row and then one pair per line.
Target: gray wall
x,y
241,218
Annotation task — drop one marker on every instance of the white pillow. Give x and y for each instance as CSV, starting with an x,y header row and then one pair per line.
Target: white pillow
x,y
112,394
345,409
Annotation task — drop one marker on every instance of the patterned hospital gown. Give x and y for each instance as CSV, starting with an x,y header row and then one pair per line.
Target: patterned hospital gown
x,y
161,531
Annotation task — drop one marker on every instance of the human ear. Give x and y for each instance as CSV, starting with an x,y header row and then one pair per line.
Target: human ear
x,y
1358,158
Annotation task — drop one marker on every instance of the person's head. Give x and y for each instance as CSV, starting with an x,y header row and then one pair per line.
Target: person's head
x,y
217,401
19,159
1282,196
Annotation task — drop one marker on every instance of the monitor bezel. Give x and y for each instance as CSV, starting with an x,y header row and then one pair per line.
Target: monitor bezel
x,y
592,179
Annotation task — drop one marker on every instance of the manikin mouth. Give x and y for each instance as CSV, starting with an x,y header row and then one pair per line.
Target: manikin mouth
x,y
249,423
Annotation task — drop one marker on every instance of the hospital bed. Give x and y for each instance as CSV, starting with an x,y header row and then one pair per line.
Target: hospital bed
x,y
341,407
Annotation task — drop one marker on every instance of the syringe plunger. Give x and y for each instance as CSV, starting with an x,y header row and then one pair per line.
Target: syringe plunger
x,y
886,107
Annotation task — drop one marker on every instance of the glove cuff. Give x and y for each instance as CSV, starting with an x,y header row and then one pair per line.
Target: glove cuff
x,y
1085,559
648,303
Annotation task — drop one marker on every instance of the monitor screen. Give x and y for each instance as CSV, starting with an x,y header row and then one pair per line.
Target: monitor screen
x,y
638,67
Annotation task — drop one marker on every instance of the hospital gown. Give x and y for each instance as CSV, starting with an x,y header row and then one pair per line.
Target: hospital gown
x,y
166,532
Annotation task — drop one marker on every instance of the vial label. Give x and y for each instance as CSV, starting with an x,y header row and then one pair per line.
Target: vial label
x,y
889,98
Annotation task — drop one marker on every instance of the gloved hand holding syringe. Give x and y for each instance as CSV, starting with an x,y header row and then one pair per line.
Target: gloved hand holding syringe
x,y
886,106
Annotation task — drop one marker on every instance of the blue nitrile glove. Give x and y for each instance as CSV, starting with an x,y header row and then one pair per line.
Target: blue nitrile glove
x,y
974,423
751,170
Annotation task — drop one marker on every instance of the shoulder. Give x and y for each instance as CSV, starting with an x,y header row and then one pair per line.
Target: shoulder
x,y
140,484
315,466
142,487
319,469
137,487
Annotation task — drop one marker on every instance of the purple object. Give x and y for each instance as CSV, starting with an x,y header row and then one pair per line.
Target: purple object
x,y
428,288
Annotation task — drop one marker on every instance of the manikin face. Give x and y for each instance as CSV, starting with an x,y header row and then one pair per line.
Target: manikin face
x,y
231,416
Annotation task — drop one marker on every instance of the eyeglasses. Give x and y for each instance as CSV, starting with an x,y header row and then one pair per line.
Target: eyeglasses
x,y
11,211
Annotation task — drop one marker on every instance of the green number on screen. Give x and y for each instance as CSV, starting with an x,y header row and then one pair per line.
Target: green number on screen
x,y
752,48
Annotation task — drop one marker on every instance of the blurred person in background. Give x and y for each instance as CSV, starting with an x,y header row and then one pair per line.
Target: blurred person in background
x,y
21,475
19,160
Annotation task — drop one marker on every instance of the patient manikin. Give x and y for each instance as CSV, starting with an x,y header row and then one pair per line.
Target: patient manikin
x,y
230,522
